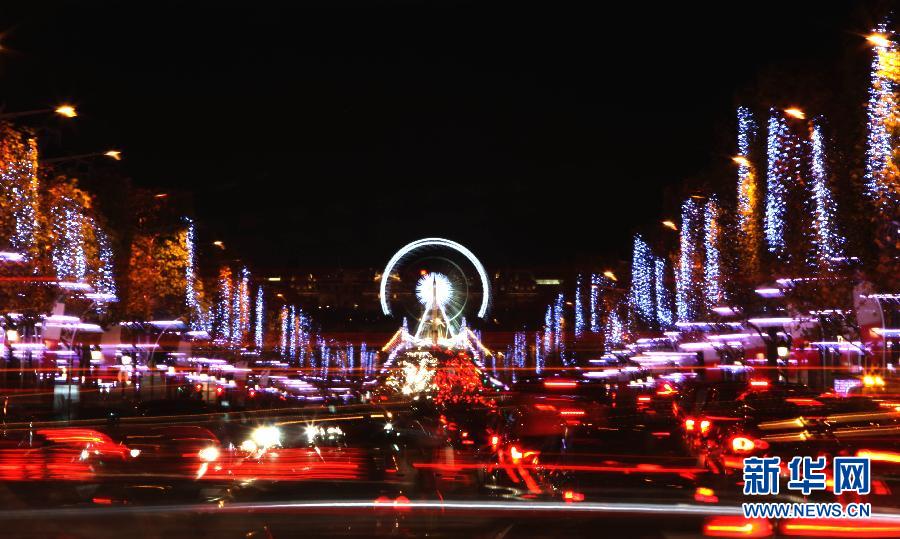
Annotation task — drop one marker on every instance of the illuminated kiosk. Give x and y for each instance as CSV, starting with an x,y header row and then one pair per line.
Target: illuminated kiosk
x,y
442,351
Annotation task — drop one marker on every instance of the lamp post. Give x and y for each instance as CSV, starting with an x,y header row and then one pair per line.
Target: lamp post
x,y
66,111
115,155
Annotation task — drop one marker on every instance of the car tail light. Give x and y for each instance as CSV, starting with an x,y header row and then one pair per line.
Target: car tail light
x,y
689,425
704,426
759,383
495,441
840,528
572,496
571,412
666,389
705,495
803,402
518,456
741,444
879,456
560,384
730,526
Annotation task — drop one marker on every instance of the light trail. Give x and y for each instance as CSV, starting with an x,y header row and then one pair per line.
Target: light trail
x,y
332,505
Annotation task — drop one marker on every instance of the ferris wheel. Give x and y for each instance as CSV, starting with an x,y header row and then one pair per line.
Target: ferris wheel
x,y
435,273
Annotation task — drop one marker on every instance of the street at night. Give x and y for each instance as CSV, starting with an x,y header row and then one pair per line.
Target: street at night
x,y
451,269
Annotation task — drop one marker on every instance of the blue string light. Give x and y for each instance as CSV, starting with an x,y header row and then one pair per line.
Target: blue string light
x,y
778,150
662,296
686,297
881,109
559,339
260,320
828,243
579,309
712,233
642,270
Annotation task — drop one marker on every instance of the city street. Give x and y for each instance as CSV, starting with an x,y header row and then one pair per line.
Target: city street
x,y
405,269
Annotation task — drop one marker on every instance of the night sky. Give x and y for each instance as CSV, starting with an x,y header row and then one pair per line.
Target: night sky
x,y
335,132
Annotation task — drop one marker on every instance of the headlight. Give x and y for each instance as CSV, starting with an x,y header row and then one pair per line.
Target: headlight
x,y
209,454
266,437
134,453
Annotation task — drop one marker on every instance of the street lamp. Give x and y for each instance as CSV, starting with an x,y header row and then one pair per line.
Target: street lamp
x,y
115,155
66,111
670,224
610,275
794,112
741,160
879,40
219,244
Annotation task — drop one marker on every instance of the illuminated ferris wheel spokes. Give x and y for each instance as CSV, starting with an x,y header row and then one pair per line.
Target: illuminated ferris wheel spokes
x,y
434,288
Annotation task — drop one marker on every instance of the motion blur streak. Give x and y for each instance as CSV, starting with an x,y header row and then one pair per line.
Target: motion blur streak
x,y
329,505
843,528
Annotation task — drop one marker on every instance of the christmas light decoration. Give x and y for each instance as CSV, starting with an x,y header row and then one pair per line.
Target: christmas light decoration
x,y
662,296
19,196
642,271
364,360
302,329
69,258
686,283
224,306
559,338
548,330
882,181
579,309
292,333
414,374
748,192
495,360
712,233
259,320
459,381
192,302
240,316
104,281
538,353
778,173
349,363
827,241
595,303
284,319
519,353
614,331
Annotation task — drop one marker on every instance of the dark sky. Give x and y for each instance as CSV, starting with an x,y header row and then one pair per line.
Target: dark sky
x,y
333,133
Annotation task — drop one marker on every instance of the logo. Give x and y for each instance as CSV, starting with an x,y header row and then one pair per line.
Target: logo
x,y
812,473
806,474
761,475
852,474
